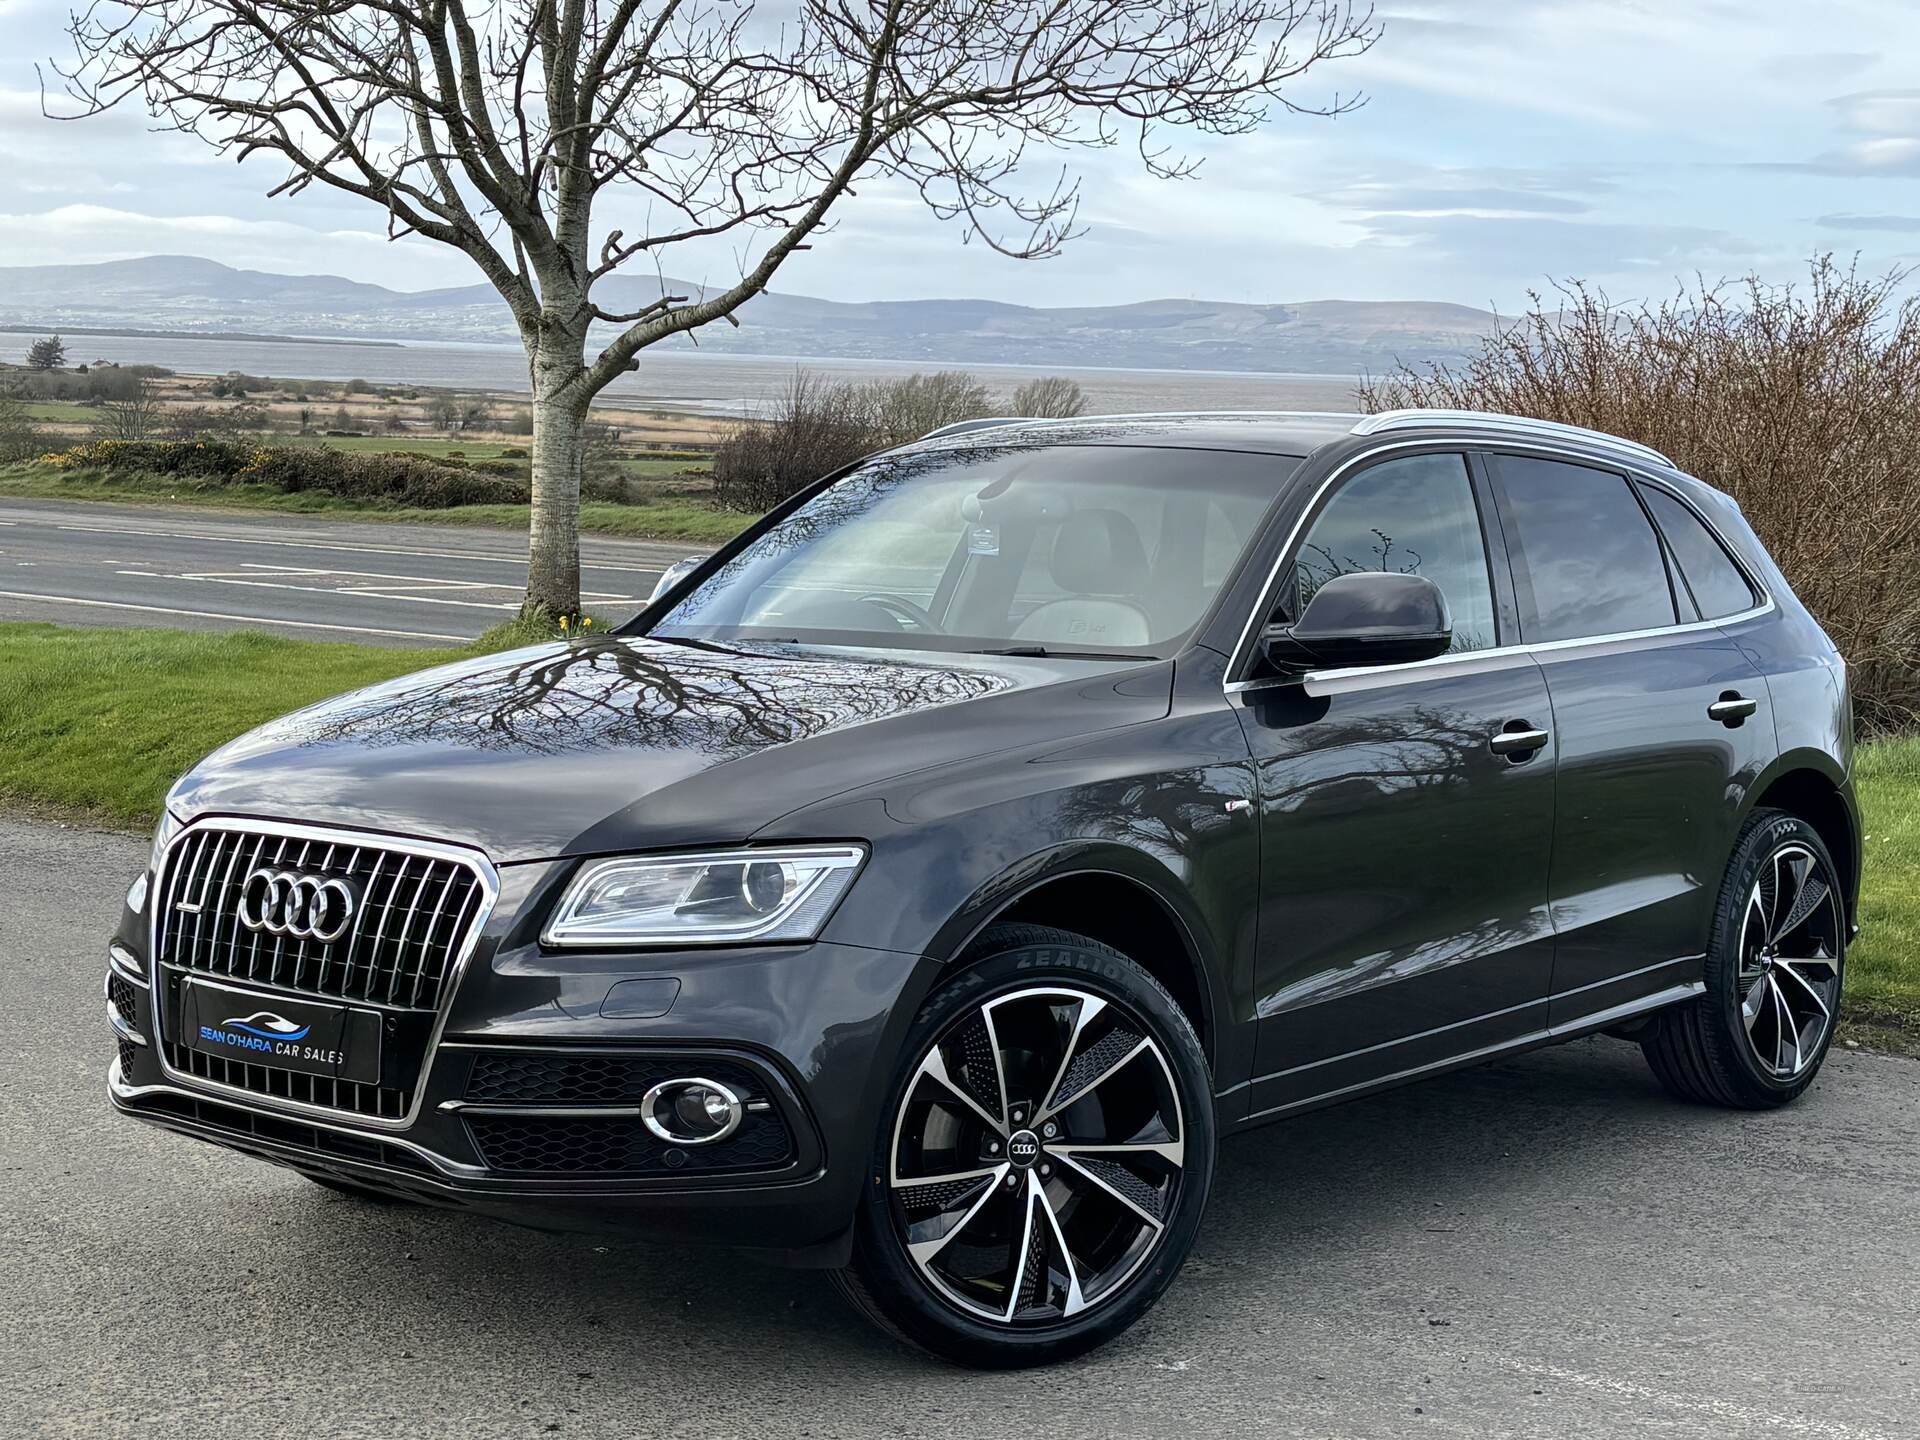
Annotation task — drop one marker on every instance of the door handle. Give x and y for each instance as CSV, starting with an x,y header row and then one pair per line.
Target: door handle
x,y
1731,708
1518,740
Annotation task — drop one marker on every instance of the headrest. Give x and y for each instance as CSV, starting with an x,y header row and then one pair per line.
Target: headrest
x,y
1098,552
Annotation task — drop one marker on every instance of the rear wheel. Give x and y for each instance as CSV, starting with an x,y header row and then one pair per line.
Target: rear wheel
x,y
1774,969
1045,1156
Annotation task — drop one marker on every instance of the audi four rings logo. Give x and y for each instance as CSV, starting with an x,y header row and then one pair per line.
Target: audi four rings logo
x,y
304,907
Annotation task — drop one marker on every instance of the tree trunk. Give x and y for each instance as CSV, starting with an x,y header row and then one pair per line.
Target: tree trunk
x,y
559,444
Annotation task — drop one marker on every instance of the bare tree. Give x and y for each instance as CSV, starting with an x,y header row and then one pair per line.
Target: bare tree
x,y
497,128
1051,397
20,438
133,414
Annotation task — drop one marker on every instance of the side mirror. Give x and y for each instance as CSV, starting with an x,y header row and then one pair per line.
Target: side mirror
x,y
672,576
1370,617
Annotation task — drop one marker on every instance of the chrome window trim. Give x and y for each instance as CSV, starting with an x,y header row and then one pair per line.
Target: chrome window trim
x,y
1424,669
473,858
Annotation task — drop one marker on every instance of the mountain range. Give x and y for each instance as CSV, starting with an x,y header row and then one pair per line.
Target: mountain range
x,y
189,295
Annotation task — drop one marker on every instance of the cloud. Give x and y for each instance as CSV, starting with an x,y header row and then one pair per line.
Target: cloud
x,y
1897,224
1880,112
1566,247
1821,66
1381,198
1891,157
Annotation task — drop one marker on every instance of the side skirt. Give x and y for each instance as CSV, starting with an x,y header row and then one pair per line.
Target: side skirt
x,y
1552,1035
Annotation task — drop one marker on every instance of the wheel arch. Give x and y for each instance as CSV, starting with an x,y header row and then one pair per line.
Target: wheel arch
x,y
1116,895
1812,786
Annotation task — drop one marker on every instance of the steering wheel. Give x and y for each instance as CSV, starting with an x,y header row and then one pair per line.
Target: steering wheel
x,y
904,610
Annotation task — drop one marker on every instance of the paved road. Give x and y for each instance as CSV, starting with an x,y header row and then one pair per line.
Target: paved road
x,y
1546,1247
98,564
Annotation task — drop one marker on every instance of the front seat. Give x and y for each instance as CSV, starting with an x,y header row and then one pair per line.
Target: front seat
x,y
1099,560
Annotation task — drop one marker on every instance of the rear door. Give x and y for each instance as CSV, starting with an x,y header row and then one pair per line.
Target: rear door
x,y
1659,721
1404,845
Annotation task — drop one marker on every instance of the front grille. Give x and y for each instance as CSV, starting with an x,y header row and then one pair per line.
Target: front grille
x,y
127,1051
535,1145
120,996
502,1077
378,1102
411,915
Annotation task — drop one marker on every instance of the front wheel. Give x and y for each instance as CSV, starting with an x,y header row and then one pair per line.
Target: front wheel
x,y
1044,1160
1775,964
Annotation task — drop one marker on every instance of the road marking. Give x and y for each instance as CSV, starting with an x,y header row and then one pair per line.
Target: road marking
x,y
650,568
211,578
414,582
216,615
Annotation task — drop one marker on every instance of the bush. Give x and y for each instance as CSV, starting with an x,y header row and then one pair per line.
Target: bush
x,y
1051,397
396,478
901,411
1804,405
188,459
19,437
812,429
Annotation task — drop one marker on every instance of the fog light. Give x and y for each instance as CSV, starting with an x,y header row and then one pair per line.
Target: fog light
x,y
692,1111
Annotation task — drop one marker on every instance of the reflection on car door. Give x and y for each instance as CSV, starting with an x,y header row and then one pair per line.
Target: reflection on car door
x,y
1403,916
1659,733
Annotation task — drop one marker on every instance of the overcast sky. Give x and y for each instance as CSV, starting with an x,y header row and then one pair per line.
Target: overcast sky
x,y
1504,143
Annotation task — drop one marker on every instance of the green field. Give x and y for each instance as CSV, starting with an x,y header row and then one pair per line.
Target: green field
x,y
670,516
98,722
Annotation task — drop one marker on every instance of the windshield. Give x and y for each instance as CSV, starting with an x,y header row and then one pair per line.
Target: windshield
x,y
1060,550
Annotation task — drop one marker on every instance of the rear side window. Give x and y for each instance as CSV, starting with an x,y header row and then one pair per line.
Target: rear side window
x,y
1709,572
1585,555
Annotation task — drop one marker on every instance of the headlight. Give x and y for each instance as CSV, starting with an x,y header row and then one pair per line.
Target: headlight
x,y
719,897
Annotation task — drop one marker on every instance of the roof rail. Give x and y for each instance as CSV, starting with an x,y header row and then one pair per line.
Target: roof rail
x,y
1487,420
960,427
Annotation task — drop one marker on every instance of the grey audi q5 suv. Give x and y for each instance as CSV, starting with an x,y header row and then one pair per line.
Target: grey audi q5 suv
x,y
922,886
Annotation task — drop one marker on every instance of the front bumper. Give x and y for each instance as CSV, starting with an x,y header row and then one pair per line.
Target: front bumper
x,y
807,1033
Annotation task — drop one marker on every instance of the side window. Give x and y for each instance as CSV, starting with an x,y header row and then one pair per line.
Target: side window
x,y
1716,582
1583,547
1414,516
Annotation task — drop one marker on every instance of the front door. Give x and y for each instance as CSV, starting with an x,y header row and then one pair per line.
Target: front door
x,y
1406,811
1660,719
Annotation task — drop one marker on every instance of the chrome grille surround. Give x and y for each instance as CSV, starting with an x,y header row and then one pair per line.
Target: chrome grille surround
x,y
428,990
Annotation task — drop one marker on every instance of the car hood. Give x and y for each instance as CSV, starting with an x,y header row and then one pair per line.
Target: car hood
x,y
627,743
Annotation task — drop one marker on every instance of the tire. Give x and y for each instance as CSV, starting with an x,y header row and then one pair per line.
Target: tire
x,y
1105,1195
1759,1034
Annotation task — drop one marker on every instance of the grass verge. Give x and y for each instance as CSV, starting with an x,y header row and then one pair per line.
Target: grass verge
x,y
97,723
1883,968
668,518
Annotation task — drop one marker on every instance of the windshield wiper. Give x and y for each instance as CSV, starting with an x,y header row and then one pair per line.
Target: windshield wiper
x,y
1040,652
